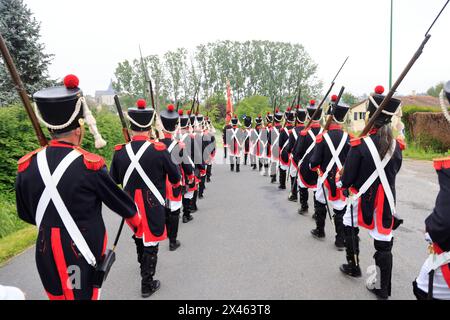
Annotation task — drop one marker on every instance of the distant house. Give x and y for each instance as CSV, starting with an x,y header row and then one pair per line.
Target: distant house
x,y
357,116
105,97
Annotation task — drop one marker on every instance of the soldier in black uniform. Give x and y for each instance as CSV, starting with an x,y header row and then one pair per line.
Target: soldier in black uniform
x,y
302,154
184,138
328,158
274,144
373,200
201,141
267,149
234,141
142,167
170,120
196,148
247,133
286,154
209,137
60,189
257,147
289,118
227,127
435,273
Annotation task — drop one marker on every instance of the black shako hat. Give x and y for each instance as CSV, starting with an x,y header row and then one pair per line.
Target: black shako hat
x,y
331,104
169,118
234,121
269,117
278,115
312,109
289,115
248,121
200,118
258,120
386,115
447,90
141,117
340,111
60,107
300,115
184,119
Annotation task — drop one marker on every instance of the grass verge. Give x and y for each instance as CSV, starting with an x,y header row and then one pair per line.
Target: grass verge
x,y
16,243
412,151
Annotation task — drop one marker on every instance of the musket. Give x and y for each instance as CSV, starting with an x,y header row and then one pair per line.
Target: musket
x,y
402,76
22,92
330,117
125,132
194,100
326,95
178,105
147,79
299,96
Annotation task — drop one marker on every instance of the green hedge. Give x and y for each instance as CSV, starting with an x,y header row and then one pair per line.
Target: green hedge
x,y
17,138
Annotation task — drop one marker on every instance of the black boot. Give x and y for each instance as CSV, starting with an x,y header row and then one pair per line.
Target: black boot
x,y
266,170
293,196
339,227
273,178
187,210
238,167
139,248
260,166
148,269
201,187
245,159
304,195
352,268
208,172
173,220
225,153
321,215
193,207
383,261
282,185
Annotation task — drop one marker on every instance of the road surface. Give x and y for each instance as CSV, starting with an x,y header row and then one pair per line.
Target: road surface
x,y
248,242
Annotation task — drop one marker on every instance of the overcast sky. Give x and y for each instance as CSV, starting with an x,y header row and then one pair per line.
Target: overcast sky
x,y
90,37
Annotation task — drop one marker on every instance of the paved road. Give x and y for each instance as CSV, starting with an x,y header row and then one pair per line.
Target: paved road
x,y
248,242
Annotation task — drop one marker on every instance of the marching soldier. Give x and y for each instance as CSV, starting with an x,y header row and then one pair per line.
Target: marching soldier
x,y
286,155
201,141
184,138
227,127
369,173
210,139
247,133
170,120
60,189
142,167
274,144
234,144
328,158
195,147
257,146
267,149
302,154
289,117
433,281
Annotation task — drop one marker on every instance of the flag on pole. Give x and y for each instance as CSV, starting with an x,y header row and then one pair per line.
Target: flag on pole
x,y
229,104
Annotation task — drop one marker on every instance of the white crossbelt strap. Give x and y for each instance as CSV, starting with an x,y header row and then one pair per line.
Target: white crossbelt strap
x,y
234,136
311,147
51,193
188,157
380,169
275,142
135,165
334,153
258,140
435,261
172,145
294,132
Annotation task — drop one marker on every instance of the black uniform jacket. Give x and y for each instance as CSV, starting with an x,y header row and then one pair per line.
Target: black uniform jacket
x,y
287,151
83,188
322,157
308,177
157,164
358,167
284,140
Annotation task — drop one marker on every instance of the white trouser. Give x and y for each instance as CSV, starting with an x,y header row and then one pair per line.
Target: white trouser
x,y
441,290
348,214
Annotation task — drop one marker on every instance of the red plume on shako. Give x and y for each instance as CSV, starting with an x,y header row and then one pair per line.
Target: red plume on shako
x,y
141,104
61,108
312,109
334,98
379,89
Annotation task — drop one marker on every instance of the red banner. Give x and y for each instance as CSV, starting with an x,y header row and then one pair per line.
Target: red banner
x,y
229,104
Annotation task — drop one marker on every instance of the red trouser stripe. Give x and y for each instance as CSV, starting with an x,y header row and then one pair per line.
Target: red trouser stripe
x,y
61,265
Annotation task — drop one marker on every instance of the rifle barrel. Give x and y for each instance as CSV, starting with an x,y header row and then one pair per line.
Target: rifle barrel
x,y
22,92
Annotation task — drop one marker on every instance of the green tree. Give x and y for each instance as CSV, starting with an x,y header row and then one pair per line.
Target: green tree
x,y
349,98
436,90
22,35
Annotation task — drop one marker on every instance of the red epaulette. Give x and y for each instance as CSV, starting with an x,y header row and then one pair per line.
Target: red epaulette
x,y
401,143
160,146
119,146
319,138
25,161
304,132
92,161
355,142
442,163
351,136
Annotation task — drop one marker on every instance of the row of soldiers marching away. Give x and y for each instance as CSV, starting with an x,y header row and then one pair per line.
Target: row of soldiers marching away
x,y
353,177
60,188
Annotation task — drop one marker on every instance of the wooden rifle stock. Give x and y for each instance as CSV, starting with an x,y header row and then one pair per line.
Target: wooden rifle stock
x,y
22,92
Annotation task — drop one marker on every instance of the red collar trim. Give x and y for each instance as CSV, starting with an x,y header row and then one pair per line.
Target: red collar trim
x,y
139,138
167,135
315,125
442,163
335,126
373,131
60,144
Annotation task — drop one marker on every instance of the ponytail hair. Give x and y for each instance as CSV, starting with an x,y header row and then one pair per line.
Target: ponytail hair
x,y
385,136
